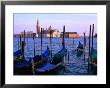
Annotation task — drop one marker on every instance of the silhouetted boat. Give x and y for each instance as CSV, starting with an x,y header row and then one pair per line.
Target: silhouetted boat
x,y
23,67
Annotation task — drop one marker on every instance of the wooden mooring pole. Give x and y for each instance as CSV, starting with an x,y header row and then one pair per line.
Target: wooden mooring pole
x,y
24,36
63,40
18,42
68,56
22,49
63,43
34,55
84,45
73,41
34,44
92,45
68,50
51,43
41,42
23,45
89,56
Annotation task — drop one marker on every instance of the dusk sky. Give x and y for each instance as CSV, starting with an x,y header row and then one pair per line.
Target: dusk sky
x,y
73,22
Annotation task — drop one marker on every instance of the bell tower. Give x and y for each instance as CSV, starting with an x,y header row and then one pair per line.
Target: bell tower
x,y
37,27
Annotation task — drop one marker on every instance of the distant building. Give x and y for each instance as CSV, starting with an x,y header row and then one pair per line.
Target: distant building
x,y
70,34
16,35
37,27
27,34
54,32
46,33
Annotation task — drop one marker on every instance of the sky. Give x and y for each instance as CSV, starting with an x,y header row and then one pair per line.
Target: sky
x,y
73,22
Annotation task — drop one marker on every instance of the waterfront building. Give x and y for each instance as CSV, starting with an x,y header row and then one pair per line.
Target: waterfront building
x,y
54,32
29,33
70,34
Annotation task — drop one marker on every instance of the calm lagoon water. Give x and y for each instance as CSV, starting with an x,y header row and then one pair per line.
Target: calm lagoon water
x,y
75,65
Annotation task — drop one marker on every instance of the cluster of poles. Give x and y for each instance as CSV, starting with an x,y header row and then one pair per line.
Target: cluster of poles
x,y
91,36
90,48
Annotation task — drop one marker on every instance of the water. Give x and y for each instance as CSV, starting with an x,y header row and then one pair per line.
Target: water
x,y
75,65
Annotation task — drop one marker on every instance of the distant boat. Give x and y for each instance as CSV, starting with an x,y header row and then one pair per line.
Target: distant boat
x,y
80,49
54,64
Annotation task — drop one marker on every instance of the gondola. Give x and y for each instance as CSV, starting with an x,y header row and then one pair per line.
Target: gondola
x,y
80,49
40,60
24,67
54,64
17,55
